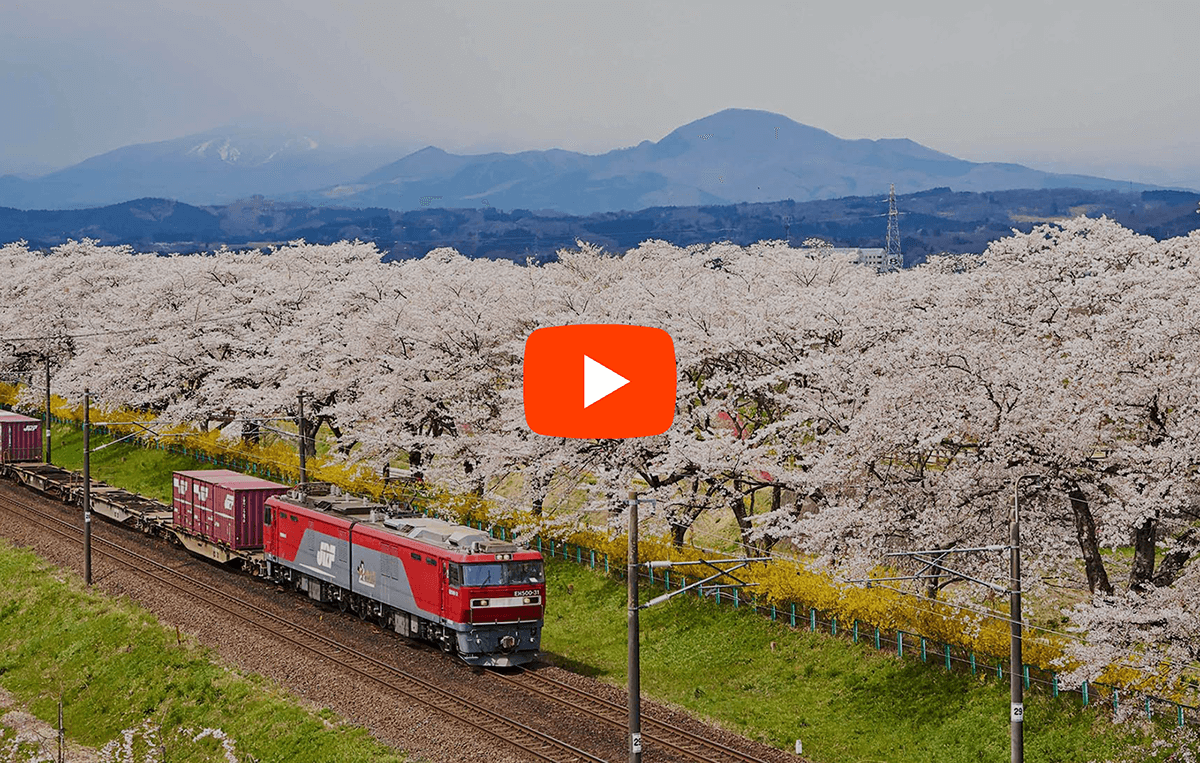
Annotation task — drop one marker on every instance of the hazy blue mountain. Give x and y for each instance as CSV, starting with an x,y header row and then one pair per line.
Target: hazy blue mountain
x,y
733,156
206,168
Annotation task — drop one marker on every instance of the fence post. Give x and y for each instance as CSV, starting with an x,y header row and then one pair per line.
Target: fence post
x,y
899,643
539,544
1053,684
606,564
812,619
1149,717
1025,669
1116,700
947,657
793,614
856,630
667,579
579,558
999,671
735,598
772,610
1179,710
972,663
877,637
1085,694
592,552
833,626
924,656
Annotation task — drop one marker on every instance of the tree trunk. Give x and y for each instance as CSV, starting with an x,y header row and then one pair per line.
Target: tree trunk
x,y
308,437
1141,575
1085,533
742,515
1173,561
251,433
678,531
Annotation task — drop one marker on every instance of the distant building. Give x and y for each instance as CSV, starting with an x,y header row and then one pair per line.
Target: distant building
x,y
875,257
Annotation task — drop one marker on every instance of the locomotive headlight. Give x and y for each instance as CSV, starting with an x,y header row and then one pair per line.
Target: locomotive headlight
x,y
533,600
479,602
504,557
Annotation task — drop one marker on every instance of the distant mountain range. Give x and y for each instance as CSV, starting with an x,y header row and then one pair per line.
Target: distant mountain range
x,y
212,167
734,156
937,220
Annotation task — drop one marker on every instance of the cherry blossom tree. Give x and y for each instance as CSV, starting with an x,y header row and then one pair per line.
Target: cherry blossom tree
x,y
838,412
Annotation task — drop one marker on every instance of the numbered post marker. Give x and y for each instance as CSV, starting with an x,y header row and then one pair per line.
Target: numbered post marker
x,y
636,743
1017,712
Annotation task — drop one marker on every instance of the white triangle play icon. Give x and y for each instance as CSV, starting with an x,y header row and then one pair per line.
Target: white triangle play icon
x,y
599,382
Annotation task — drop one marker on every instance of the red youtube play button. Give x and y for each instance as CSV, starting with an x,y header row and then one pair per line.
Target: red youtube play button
x,y
599,381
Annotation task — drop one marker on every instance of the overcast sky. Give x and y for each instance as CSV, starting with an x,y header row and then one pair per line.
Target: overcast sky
x,y
1098,87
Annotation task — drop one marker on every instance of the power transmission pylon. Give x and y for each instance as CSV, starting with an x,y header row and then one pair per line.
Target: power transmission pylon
x,y
892,258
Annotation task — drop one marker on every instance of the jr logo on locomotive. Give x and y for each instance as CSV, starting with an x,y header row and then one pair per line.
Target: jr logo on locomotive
x,y
327,555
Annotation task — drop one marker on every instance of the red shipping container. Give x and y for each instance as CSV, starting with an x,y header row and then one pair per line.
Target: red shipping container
x,y
222,506
20,438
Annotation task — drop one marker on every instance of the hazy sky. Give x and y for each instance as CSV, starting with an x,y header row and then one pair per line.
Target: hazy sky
x,y
1098,87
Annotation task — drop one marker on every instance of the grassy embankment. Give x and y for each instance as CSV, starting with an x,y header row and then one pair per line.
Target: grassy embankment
x,y
846,702
116,667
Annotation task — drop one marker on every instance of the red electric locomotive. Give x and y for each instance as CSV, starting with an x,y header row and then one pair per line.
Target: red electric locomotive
x,y
473,595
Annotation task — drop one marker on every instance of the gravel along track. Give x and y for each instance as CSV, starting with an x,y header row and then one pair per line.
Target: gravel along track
x,y
682,737
404,692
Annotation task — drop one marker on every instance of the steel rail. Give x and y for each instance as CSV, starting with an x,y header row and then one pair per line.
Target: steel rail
x,y
613,713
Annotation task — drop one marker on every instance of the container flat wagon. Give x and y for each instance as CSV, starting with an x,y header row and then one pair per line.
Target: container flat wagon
x,y
218,513
20,438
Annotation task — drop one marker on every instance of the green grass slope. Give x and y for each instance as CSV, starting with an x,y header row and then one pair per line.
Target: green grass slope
x,y
115,667
143,471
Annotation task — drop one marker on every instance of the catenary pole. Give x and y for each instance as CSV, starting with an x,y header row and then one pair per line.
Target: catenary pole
x,y
46,426
1016,670
303,444
87,488
635,678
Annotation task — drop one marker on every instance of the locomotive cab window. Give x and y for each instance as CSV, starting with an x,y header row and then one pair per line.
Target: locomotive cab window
x,y
503,573
454,573
267,516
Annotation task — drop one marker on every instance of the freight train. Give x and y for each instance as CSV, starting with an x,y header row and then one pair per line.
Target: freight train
x,y
480,598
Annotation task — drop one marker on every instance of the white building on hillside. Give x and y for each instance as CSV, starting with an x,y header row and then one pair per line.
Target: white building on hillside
x,y
873,257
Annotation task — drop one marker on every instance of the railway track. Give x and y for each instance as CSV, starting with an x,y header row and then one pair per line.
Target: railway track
x,y
669,736
524,738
